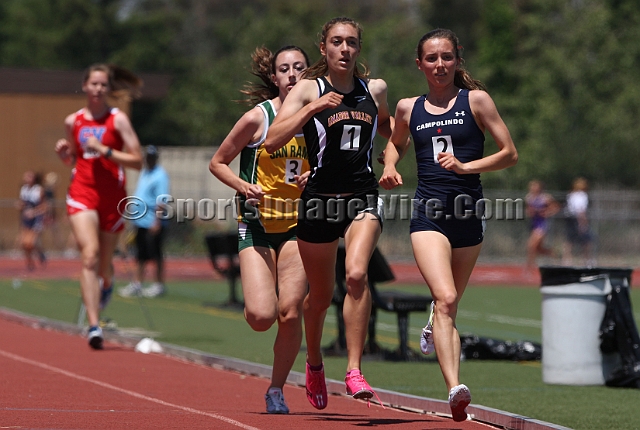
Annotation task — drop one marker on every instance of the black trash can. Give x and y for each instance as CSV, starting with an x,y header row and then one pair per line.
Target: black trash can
x,y
574,300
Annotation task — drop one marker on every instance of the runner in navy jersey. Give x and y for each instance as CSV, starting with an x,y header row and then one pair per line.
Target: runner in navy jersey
x,y
447,226
340,111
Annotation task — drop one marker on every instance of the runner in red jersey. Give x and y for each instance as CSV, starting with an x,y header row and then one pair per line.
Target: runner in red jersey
x,y
98,182
100,143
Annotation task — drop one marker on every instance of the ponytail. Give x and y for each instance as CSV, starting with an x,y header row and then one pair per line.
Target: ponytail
x,y
261,60
264,66
123,84
464,80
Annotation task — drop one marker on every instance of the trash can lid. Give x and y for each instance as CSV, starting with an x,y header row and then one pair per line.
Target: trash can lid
x,y
559,275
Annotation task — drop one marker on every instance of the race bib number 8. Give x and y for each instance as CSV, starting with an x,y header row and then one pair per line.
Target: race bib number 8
x,y
350,138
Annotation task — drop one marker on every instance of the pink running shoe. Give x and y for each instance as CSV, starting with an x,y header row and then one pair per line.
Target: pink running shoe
x,y
316,388
459,399
357,386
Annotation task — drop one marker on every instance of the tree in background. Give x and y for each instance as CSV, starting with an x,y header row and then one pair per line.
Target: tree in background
x,y
563,73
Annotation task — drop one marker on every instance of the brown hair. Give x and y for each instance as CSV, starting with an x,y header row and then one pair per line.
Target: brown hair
x,y
122,82
320,68
263,65
463,78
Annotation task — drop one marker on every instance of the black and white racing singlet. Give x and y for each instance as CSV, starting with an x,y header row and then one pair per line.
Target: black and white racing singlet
x,y
340,143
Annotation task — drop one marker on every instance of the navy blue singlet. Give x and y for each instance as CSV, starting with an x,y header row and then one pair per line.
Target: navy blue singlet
x,y
456,132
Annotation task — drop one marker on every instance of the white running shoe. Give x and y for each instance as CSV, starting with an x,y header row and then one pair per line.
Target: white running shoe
x,y
154,290
459,399
133,289
275,401
426,338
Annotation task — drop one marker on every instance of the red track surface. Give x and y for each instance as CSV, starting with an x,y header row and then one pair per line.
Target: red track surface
x,y
201,269
54,380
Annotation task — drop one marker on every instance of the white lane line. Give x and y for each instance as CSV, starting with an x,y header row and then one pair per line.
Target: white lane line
x,y
475,316
123,390
503,319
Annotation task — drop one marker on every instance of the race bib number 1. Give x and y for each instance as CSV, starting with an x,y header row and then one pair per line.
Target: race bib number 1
x,y
350,138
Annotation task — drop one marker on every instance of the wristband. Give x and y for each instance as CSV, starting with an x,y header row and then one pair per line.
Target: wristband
x,y
108,153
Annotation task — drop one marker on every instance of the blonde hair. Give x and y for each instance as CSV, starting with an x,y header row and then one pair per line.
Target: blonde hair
x,y
51,179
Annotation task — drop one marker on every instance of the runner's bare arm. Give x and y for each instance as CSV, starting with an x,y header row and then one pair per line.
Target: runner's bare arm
x,y
248,129
298,108
397,145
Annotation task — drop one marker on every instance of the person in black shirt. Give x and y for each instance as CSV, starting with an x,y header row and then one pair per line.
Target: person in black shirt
x,y
340,110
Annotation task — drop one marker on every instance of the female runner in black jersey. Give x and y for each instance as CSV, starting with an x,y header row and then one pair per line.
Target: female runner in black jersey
x,y
339,110
447,227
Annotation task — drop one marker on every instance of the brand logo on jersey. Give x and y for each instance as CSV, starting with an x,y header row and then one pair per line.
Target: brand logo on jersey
x,y
460,113
86,132
360,98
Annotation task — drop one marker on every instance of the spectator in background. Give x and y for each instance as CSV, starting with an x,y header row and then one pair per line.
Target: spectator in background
x,y
150,230
540,206
50,215
32,207
578,229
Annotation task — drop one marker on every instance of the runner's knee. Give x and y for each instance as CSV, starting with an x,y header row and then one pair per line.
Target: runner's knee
x,y
260,319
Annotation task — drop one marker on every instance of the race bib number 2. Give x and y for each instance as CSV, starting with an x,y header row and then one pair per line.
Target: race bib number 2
x,y
441,144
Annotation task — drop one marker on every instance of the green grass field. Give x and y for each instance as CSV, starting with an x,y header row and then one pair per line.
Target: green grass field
x,y
192,315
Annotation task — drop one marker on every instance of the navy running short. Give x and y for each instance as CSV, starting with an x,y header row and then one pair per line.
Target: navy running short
x,y
461,231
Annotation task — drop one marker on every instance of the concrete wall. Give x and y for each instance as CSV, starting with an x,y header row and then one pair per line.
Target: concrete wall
x,y
188,169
